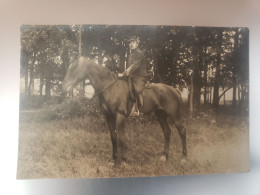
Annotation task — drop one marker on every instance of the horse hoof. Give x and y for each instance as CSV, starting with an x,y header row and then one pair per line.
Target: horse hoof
x,y
183,161
98,171
124,164
111,164
163,158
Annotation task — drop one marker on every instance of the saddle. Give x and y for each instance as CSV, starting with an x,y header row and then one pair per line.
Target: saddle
x,y
148,85
132,90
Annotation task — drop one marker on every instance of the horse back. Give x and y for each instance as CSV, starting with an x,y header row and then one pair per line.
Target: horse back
x,y
164,90
160,96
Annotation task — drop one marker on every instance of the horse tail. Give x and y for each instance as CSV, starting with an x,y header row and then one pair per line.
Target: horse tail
x,y
178,91
180,110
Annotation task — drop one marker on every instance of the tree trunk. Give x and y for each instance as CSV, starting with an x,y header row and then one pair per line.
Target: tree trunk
x,y
217,73
239,96
247,93
65,65
191,95
157,76
173,72
235,67
242,93
210,93
48,82
42,67
122,59
32,87
208,96
24,64
197,83
26,80
41,86
205,82
31,79
224,98
197,52
216,88
82,84
80,41
205,69
48,89
234,101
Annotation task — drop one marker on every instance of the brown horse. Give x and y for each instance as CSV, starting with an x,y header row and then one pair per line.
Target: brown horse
x,y
117,103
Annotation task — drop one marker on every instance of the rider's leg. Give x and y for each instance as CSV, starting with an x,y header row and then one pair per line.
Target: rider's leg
x,y
139,83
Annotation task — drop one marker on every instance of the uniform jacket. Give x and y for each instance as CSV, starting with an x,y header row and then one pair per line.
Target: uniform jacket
x,y
136,62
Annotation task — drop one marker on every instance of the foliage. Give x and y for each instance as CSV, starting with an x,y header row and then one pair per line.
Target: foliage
x,y
70,108
47,51
202,59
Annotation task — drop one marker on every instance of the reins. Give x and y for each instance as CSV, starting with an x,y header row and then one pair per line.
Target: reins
x,y
108,86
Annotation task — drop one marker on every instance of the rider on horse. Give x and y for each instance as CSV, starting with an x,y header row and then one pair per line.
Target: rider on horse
x,y
136,70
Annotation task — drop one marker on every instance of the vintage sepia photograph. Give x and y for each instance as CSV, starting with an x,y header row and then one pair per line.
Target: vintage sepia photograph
x,y
99,101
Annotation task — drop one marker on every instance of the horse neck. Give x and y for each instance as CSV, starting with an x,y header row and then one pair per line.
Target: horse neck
x,y
100,77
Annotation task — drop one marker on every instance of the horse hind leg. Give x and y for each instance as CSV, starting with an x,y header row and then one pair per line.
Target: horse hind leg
x,y
182,132
162,118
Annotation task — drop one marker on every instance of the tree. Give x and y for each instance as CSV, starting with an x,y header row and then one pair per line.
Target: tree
x,y
44,46
195,57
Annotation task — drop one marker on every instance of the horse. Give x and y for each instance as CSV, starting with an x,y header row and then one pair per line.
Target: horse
x,y
117,102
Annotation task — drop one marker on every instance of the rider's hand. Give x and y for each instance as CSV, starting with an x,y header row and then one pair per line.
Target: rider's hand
x,y
126,73
120,75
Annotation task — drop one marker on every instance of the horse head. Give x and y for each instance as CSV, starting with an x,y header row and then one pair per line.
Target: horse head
x,y
84,68
77,72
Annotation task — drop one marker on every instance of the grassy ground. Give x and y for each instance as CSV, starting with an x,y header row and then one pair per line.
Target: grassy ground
x,y
81,147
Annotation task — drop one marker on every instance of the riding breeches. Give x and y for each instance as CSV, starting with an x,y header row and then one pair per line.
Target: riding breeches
x,y
139,84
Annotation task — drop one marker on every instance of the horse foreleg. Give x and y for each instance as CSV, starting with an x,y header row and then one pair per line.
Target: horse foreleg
x,y
112,128
121,134
162,118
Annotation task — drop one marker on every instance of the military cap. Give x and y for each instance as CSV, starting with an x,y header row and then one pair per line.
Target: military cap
x,y
132,38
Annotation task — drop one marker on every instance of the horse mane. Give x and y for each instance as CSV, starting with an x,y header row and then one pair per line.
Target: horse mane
x,y
106,72
103,72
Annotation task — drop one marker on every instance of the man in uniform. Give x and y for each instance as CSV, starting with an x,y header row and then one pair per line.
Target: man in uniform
x,y
136,70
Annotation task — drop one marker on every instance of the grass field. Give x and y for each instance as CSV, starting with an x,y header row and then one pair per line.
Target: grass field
x,y
81,147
